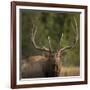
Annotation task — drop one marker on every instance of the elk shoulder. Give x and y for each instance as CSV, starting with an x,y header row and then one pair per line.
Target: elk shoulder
x,y
37,58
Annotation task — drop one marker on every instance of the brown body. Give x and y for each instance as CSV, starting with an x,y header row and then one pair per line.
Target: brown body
x,y
39,66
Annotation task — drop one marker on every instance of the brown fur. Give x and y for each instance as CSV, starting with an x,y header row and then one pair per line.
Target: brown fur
x,y
41,66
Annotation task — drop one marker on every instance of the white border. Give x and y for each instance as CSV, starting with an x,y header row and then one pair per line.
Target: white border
x,y
55,79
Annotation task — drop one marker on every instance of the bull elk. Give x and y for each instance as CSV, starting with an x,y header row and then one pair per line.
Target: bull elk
x,y
45,65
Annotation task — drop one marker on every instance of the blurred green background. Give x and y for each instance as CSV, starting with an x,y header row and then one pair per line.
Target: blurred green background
x,y
53,24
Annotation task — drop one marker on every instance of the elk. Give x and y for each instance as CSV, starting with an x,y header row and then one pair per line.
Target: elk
x,y
45,65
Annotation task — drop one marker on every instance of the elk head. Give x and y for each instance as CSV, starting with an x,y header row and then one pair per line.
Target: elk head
x,y
54,57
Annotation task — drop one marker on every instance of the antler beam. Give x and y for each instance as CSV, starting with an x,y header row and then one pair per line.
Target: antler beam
x,y
34,31
75,28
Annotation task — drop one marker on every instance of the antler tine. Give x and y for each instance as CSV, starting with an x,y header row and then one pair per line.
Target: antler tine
x,y
49,42
76,39
76,31
34,31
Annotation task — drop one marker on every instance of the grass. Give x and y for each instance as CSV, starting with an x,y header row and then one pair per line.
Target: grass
x,y
70,71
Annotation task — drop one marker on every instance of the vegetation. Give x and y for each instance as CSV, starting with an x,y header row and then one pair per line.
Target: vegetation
x,y
70,71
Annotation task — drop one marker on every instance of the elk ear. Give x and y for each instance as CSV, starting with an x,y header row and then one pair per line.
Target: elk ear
x,y
46,55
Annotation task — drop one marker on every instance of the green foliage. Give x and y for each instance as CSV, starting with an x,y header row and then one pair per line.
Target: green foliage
x,y
52,24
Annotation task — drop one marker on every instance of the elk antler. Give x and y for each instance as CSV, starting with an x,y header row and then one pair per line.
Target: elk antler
x,y
76,39
34,31
49,42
